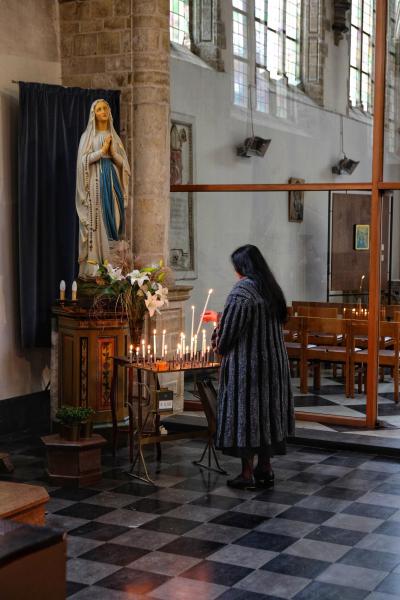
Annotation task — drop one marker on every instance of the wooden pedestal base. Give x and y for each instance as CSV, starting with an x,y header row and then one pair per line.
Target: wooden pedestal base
x,y
74,464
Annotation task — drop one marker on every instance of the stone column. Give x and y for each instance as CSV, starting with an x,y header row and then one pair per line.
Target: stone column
x,y
150,53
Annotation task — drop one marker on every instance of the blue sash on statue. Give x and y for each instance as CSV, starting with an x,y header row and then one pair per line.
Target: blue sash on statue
x,y
108,182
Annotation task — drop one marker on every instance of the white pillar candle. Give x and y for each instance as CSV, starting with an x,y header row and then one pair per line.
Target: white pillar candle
x,y
62,289
155,344
137,354
74,291
131,352
178,351
143,349
165,352
204,310
163,343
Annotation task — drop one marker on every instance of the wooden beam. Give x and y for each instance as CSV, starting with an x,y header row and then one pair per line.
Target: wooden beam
x,y
376,213
270,187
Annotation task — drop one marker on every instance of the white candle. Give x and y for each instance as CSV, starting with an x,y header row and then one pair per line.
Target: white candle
x,y
203,344
178,351
62,289
143,349
137,354
165,352
191,332
148,352
204,310
183,337
195,346
74,291
163,343
208,353
131,352
155,343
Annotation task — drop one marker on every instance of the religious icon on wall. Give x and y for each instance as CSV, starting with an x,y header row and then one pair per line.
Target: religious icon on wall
x,y
296,202
361,237
181,218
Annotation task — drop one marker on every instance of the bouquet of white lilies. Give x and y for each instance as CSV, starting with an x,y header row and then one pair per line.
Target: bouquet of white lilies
x,y
133,293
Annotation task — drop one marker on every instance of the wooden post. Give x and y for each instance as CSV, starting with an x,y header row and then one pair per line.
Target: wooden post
x,y
376,212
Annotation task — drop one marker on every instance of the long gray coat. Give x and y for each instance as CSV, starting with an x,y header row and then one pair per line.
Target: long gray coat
x,y
255,402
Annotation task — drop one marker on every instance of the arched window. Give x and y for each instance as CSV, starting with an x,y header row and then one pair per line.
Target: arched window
x,y
179,22
361,54
266,45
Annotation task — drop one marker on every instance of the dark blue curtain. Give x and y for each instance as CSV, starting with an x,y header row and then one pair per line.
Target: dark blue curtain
x,y
51,121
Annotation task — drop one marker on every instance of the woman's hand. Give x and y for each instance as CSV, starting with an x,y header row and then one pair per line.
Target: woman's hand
x,y
106,145
211,316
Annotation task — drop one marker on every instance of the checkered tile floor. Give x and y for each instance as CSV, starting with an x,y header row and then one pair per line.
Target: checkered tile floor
x,y
330,529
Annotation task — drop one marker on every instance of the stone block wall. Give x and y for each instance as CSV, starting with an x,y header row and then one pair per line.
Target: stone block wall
x,y
96,52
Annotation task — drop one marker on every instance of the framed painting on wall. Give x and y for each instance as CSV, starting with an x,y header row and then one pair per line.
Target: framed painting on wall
x,y
181,233
361,237
296,202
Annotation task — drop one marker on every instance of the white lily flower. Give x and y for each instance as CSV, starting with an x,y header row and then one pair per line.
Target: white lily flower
x,y
114,274
153,304
137,277
162,294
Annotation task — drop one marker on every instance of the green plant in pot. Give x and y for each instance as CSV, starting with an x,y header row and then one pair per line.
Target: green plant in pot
x,y
87,422
71,418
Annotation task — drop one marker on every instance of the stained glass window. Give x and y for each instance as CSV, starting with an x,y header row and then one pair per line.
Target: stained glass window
x,y
361,54
179,21
266,38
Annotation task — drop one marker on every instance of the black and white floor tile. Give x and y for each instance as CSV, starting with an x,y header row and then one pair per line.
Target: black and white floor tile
x,y
329,530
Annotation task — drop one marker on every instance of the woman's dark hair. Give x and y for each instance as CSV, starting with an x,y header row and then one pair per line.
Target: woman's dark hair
x,y
249,262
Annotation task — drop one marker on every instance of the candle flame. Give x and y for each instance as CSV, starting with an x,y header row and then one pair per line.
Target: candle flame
x,y
155,331
164,331
210,291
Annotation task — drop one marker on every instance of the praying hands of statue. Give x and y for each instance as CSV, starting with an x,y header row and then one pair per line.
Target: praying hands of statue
x,y
106,145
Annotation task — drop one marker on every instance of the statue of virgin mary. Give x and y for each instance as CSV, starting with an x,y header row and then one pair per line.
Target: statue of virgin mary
x,y
102,181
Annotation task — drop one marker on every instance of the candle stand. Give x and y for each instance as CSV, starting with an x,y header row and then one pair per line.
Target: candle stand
x,y
144,427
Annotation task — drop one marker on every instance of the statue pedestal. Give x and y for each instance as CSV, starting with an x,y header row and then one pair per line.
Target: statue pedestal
x,y
82,351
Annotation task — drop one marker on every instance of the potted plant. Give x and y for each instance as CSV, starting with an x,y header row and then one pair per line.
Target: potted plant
x,y
87,422
71,418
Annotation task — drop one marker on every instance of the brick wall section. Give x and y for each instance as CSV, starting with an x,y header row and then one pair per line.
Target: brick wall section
x,y
96,52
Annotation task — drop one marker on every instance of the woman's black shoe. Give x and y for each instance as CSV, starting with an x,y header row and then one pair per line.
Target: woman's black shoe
x,y
263,479
239,483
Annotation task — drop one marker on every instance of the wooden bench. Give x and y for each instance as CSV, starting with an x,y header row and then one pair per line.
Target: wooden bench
x,y
22,502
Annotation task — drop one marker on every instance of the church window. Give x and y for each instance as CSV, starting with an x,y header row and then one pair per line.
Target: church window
x,y
266,43
179,22
361,54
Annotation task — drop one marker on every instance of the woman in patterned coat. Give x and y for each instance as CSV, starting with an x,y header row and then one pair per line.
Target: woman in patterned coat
x,y
255,402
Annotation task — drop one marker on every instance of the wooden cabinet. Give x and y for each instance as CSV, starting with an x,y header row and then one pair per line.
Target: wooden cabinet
x,y
85,349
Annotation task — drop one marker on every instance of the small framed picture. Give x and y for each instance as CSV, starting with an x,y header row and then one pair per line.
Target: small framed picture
x,y
361,237
296,203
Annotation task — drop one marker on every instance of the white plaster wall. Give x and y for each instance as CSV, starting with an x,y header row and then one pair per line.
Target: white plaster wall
x,y
28,52
306,146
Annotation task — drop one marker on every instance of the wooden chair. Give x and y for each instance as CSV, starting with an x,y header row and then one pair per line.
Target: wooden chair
x,y
292,330
316,311
315,354
388,356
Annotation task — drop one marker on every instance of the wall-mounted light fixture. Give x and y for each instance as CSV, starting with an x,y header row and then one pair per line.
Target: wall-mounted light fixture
x,y
254,145
345,166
